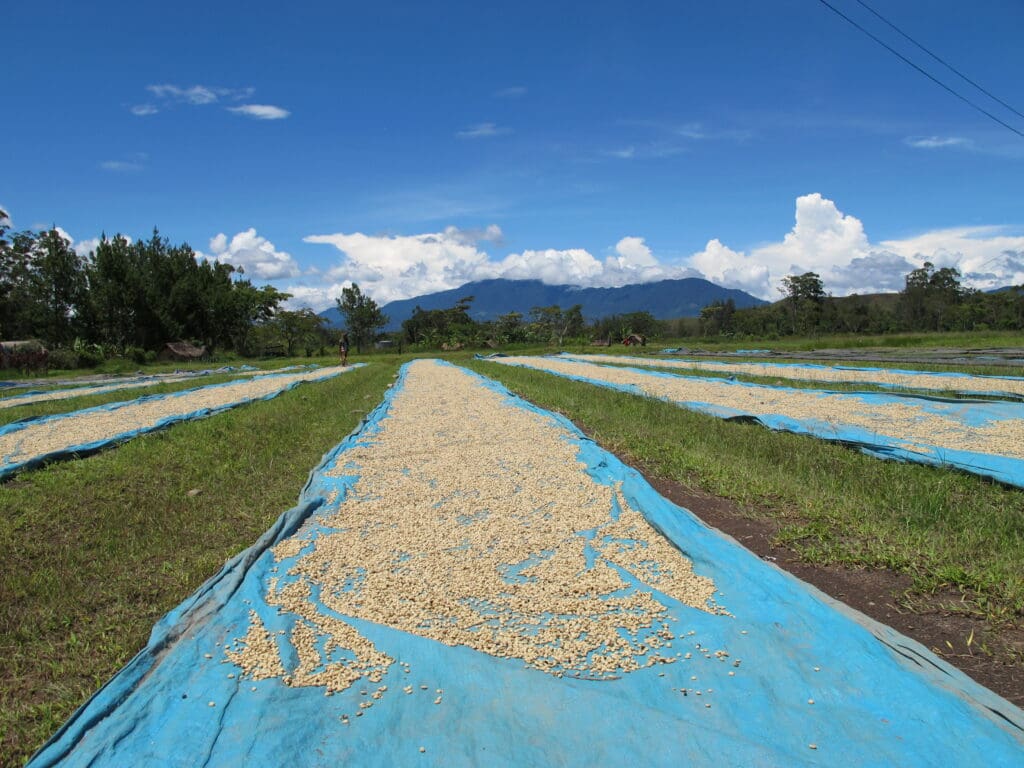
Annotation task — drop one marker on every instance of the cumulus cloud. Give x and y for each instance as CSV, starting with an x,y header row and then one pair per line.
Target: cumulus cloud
x,y
391,267
260,111
988,257
835,245
256,255
482,131
732,269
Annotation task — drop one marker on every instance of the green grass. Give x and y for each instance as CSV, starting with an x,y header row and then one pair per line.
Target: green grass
x,y
835,505
96,550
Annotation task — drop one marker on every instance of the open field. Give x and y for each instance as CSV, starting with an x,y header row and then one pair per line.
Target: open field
x,y
91,567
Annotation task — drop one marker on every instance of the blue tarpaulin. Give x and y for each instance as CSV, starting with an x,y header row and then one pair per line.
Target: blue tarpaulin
x,y
112,385
941,380
967,414
803,680
17,460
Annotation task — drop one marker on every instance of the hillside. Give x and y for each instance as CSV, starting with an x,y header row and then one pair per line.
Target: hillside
x,y
665,299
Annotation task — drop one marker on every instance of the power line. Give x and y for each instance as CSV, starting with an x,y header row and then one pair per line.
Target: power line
x,y
941,61
931,77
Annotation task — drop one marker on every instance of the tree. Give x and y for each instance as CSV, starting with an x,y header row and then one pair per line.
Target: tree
x,y
509,328
930,298
716,318
299,329
61,282
553,324
362,316
436,327
805,296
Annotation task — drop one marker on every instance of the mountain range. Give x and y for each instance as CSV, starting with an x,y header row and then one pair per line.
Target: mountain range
x,y
665,299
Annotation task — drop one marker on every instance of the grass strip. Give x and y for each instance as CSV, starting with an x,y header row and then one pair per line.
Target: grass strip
x,y
835,505
96,550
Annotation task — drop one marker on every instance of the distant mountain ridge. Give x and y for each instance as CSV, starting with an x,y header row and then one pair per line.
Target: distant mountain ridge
x,y
665,299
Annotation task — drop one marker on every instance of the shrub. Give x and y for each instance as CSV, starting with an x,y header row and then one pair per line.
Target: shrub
x,y
62,358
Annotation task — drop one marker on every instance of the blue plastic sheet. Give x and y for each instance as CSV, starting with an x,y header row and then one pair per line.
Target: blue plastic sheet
x,y
12,464
968,413
811,683
112,385
939,379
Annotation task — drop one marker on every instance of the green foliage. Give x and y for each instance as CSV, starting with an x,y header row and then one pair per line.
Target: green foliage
x,y
553,324
617,327
363,317
125,296
933,300
805,298
302,330
437,328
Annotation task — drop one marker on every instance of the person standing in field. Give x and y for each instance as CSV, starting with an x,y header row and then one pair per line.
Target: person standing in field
x,y
343,349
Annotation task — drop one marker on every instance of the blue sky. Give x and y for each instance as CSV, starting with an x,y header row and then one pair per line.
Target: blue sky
x,y
412,147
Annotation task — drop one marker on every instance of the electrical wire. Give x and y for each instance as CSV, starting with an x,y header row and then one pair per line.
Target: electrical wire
x,y
941,61
919,69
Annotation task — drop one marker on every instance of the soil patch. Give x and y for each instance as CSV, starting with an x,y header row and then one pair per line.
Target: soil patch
x,y
880,594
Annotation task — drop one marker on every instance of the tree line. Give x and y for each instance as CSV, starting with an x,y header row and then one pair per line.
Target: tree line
x,y
454,327
933,299
129,298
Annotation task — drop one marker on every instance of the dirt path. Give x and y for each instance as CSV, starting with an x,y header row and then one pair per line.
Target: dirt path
x,y
880,594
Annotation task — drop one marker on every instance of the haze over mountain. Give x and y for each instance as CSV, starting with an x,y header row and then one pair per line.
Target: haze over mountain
x,y
665,299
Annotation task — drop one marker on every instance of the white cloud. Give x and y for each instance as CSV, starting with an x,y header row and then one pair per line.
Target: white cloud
x,y
836,246
260,111
167,94
84,247
131,162
732,269
572,266
482,131
122,166
256,255
402,266
937,142
196,94
491,234
626,153
988,257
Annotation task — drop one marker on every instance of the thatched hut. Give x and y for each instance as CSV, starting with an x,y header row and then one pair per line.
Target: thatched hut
x,y
181,351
